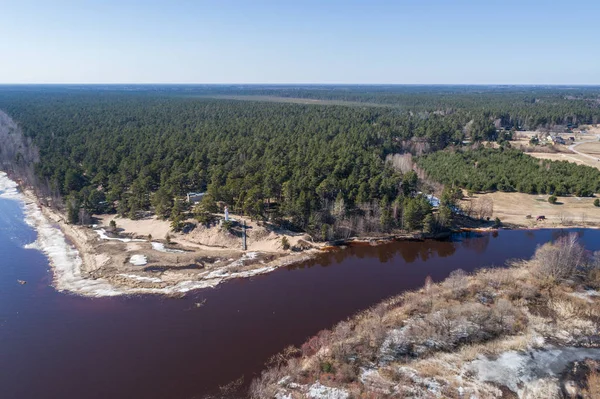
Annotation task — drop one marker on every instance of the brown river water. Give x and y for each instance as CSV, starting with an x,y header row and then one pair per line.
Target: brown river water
x,y
57,345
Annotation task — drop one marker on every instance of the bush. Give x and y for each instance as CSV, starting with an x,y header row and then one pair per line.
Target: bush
x,y
597,202
552,199
457,283
113,225
560,260
226,225
285,243
326,367
497,222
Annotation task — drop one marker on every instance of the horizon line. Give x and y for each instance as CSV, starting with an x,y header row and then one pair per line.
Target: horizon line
x,y
286,84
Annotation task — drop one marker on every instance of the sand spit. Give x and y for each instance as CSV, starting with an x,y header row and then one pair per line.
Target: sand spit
x,y
88,262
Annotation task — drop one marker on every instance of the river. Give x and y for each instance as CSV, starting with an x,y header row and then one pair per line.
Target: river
x,y
58,345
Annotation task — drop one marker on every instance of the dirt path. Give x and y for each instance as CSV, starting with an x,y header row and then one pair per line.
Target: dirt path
x,y
572,148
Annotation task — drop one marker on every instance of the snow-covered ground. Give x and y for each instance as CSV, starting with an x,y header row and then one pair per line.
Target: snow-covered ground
x,y
517,370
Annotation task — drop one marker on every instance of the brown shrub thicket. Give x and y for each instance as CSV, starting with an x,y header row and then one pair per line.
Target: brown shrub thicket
x,y
560,260
592,389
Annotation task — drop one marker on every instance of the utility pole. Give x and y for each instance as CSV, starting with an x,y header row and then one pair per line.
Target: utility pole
x,y
244,236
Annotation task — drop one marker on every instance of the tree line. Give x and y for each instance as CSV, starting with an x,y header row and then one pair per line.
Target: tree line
x,y
506,169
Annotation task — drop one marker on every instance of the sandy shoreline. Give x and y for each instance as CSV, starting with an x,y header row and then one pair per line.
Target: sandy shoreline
x,y
84,264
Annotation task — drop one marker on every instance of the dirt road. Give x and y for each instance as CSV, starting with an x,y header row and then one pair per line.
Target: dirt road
x,y
572,148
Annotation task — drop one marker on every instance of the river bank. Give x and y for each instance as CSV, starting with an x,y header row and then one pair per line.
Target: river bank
x,y
530,330
87,262
91,261
178,349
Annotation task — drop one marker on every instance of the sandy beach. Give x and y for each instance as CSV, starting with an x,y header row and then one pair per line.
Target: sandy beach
x,y
92,261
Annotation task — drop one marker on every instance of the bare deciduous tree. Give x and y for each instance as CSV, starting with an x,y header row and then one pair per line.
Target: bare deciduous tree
x,y
402,162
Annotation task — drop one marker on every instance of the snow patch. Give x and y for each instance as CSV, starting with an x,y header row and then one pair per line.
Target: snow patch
x,y
240,261
586,295
160,247
318,391
138,260
102,234
517,370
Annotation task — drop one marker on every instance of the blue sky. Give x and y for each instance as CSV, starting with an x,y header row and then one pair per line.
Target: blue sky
x,y
405,42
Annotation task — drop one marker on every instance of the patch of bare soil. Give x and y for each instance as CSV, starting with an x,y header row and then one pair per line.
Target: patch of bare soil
x,y
147,254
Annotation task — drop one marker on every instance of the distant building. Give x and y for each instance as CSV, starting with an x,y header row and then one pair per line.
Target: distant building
x,y
433,201
194,198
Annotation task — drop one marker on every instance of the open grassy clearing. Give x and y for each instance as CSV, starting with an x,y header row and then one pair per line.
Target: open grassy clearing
x,y
592,149
513,208
294,100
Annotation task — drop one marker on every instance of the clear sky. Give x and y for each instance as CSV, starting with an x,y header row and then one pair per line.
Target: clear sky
x,y
300,41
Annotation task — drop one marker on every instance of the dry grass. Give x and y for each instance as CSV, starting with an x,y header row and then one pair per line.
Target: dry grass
x,y
426,338
592,149
566,156
592,389
513,208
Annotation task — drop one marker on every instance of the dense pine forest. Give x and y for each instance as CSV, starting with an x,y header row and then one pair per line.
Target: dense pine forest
x,y
318,168
488,169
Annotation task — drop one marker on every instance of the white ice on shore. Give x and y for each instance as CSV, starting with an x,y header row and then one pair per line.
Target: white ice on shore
x,y
66,262
138,260
8,188
103,236
160,247
51,241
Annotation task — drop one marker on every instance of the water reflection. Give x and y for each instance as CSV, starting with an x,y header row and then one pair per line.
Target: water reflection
x,y
409,251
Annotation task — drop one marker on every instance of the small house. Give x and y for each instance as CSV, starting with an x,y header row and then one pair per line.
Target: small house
x,y
194,198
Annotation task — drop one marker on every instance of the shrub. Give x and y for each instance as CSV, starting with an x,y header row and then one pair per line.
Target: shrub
x,y
457,283
552,199
226,225
177,223
497,222
113,225
326,367
597,202
285,243
346,373
559,260
592,389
